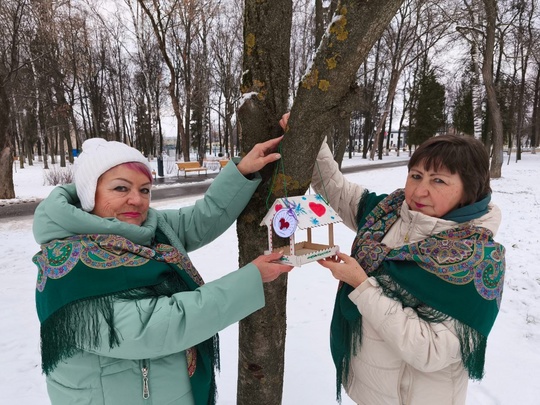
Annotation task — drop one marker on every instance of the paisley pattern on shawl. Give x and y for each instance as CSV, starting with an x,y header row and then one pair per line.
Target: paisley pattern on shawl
x,y
80,278
457,274
457,256
104,252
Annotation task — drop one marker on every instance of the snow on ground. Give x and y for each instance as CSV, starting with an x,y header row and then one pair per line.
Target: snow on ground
x,y
513,355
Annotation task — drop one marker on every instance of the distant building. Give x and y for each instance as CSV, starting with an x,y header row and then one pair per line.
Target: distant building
x,y
394,139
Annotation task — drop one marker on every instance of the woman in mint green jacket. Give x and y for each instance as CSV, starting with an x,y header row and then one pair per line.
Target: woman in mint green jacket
x,y
125,317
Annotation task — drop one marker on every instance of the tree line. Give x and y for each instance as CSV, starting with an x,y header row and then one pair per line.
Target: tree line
x,y
78,69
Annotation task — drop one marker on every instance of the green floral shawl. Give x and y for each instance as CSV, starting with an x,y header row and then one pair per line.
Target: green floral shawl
x,y
79,279
457,274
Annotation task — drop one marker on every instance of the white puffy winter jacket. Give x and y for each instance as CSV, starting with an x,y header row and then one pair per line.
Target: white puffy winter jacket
x,y
403,360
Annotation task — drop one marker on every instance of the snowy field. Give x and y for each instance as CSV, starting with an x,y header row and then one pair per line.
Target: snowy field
x,y
513,355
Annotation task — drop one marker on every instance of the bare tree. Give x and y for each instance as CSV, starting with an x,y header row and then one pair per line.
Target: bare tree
x,y
149,71
201,79
12,16
303,42
473,34
483,41
163,19
373,76
414,32
535,118
524,37
491,93
226,50
118,82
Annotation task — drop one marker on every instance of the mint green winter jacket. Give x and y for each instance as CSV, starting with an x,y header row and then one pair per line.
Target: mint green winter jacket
x,y
154,333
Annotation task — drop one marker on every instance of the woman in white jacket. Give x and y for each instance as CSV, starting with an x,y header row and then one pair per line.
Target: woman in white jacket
x,y
420,292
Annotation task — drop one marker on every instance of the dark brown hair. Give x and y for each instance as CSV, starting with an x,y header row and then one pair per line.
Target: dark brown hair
x,y
463,155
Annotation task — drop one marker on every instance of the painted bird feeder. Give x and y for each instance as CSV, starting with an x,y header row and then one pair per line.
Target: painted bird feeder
x,y
288,214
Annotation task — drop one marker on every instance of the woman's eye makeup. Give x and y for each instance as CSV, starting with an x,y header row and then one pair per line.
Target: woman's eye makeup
x,y
126,188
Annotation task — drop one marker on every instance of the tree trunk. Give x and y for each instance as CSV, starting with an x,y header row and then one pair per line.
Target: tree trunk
x,y
330,82
487,74
524,53
267,27
7,188
379,132
342,132
477,89
535,130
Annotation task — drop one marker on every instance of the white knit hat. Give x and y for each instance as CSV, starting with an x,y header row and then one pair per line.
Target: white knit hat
x,y
98,156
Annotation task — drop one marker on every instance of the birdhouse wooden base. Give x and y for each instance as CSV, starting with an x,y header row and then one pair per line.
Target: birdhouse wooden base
x,y
305,252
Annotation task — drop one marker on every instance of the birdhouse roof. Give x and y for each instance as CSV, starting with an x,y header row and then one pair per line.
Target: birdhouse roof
x,y
311,210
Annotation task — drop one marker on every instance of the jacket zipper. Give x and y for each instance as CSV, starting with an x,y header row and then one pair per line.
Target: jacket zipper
x,y
410,227
145,387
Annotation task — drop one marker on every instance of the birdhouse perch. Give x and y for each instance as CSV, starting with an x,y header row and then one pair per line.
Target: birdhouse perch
x,y
288,214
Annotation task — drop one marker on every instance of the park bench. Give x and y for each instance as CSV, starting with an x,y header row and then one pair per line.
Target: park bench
x,y
223,163
190,167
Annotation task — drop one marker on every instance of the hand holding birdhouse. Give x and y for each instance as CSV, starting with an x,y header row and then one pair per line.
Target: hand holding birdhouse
x,y
345,268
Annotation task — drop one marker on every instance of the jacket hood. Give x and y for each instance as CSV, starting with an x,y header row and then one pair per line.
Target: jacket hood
x,y
418,226
60,216
491,220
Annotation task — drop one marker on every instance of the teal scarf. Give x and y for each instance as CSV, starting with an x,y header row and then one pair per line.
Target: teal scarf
x,y
80,278
457,274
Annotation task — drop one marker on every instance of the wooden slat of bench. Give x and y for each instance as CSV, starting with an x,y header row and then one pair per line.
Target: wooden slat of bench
x,y
190,167
195,169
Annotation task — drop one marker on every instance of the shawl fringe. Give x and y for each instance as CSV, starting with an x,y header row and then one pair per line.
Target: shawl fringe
x,y
472,343
77,325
